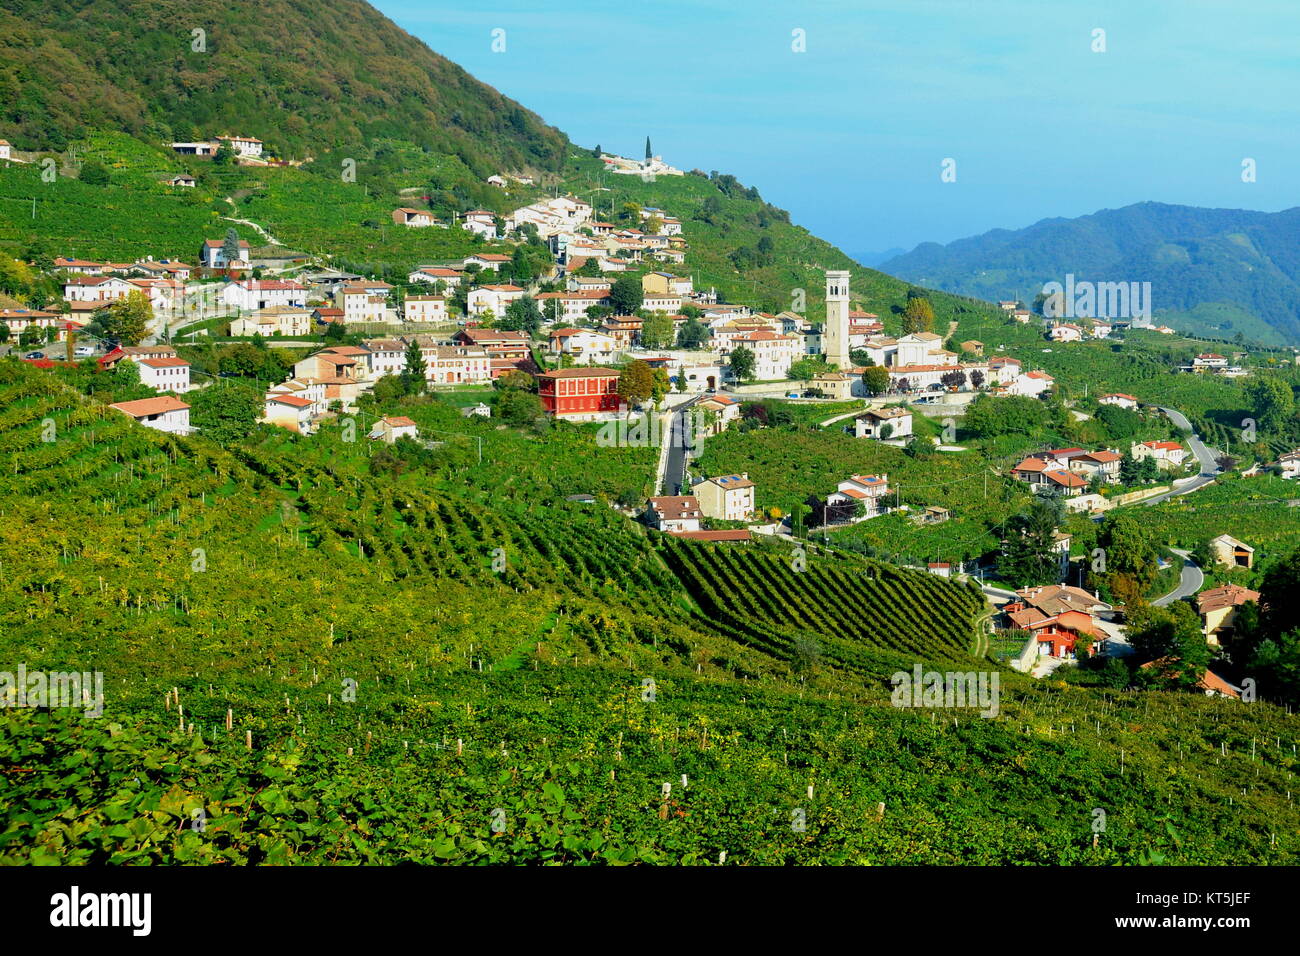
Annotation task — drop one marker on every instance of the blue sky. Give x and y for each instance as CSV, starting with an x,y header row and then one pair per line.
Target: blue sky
x,y
851,134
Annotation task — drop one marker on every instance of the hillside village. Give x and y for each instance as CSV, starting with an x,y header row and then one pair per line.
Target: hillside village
x,y
401,481
598,322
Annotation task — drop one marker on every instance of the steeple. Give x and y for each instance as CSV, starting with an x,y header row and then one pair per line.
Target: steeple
x,y
835,333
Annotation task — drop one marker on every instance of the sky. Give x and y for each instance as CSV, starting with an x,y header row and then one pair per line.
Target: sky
x,y
851,135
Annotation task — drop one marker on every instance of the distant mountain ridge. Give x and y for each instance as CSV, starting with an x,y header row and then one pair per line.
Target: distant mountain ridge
x,y
1198,261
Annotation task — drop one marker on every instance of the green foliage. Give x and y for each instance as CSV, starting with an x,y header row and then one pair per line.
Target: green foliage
x,y
625,294
875,379
741,361
635,383
225,413
918,315
989,417
1028,553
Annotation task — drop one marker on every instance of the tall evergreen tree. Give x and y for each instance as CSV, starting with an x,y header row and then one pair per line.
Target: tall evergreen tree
x,y
412,374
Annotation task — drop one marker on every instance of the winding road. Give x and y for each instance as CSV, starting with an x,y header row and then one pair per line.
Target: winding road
x,y
1209,467
1188,584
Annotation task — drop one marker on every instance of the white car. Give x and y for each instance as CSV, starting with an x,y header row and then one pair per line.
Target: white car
x,y
84,350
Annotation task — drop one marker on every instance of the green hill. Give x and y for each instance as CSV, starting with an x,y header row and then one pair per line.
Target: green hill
x,y
328,76
344,653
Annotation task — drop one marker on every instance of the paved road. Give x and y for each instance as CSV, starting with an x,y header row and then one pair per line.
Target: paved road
x,y
677,435
1209,468
1188,584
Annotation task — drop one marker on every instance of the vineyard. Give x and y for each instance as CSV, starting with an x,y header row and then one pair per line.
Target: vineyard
x,y
870,618
334,666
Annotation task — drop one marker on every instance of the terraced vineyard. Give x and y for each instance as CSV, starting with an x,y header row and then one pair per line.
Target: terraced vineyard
x,y
871,618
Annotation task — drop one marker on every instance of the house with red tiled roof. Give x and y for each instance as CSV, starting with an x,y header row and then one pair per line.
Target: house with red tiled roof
x,y
486,260
288,410
165,374
572,306
212,255
1210,683
1168,455
392,427
724,534
250,295
1104,462
1119,399
450,278
493,298
418,218
584,345
857,498
1218,609
166,413
674,513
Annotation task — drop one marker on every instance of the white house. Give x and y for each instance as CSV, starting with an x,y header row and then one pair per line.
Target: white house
x,y
243,146
587,284
6,150
361,304
486,260
392,427
1065,332
387,357
283,320
574,304
255,294
481,222
587,346
497,298
871,490
674,513
96,289
213,255
883,423
413,218
1167,454
1118,399
450,278
921,348
165,374
1208,362
1031,384
166,413
425,308
1290,464
774,353
293,412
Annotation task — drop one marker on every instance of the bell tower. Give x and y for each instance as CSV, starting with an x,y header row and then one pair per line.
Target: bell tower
x,y
835,333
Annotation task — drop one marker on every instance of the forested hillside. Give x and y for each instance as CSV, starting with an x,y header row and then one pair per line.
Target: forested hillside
x,y
1245,264
306,77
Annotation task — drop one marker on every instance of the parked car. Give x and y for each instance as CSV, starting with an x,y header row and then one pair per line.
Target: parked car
x,y
34,355
84,350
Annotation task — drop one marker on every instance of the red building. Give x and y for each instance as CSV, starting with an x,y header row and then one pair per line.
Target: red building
x,y
579,393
